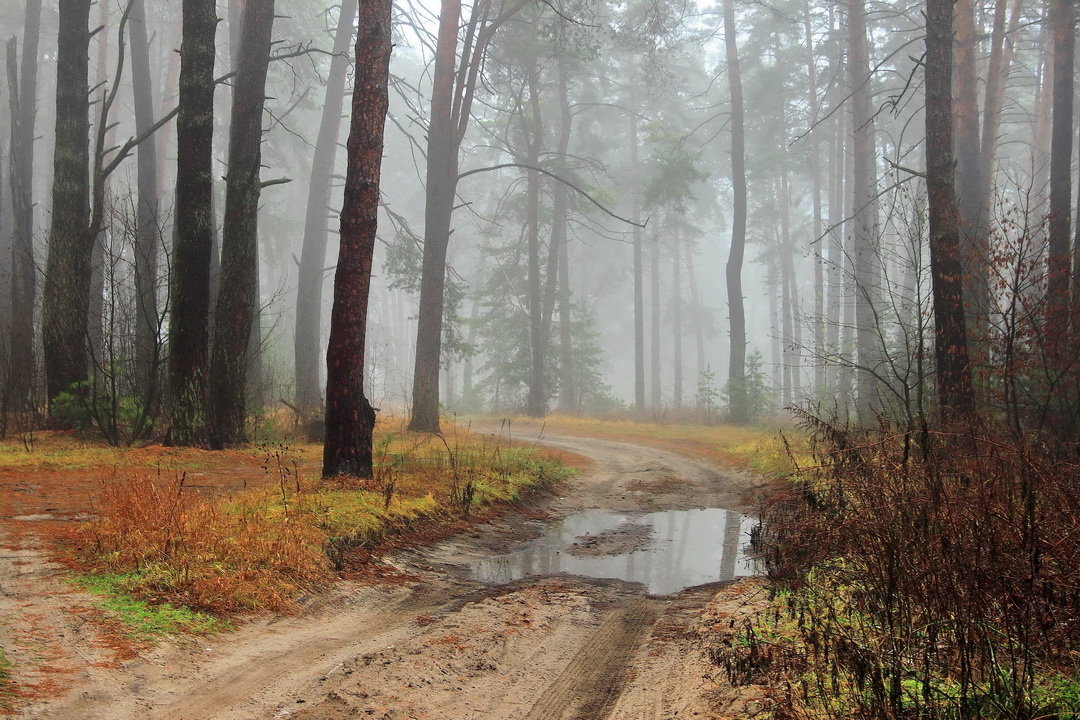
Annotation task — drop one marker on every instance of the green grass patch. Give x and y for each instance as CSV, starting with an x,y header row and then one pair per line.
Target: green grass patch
x,y
144,620
7,685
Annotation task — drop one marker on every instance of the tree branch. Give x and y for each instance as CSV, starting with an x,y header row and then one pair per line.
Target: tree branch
x,y
553,176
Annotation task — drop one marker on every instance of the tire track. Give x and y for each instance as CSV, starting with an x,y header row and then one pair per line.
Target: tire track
x,y
294,659
589,686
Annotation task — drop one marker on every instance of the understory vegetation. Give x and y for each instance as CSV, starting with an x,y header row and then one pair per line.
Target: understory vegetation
x,y
926,574
168,554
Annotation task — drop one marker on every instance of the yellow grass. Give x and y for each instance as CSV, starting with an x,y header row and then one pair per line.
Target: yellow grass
x,y
286,531
758,448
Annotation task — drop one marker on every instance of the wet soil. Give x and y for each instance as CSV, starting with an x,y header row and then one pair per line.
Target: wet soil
x,y
440,645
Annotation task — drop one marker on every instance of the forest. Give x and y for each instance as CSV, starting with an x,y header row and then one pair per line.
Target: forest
x,y
289,286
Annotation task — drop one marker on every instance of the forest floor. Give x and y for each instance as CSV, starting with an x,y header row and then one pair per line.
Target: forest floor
x,y
423,640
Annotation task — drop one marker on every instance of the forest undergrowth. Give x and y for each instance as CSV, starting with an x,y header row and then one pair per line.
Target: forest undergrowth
x,y
931,575
166,552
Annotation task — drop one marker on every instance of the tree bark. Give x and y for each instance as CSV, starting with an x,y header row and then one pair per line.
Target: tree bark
x,y
676,320
639,270
23,89
836,251
534,133
441,187
148,231
238,302
66,293
313,253
568,394
997,75
865,221
1062,20
453,87
350,419
790,294
974,234
950,342
815,191
189,320
655,370
699,315
738,400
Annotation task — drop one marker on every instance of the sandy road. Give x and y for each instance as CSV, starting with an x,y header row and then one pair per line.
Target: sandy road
x,y
445,647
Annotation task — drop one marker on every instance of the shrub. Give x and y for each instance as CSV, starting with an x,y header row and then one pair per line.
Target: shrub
x,y
931,575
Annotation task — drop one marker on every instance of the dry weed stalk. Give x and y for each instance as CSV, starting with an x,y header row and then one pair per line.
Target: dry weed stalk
x,y
930,575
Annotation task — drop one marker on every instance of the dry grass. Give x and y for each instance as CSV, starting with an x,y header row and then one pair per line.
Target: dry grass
x,y
258,548
760,449
927,576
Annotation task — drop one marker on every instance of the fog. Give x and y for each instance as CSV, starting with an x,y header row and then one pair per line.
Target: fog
x,y
613,121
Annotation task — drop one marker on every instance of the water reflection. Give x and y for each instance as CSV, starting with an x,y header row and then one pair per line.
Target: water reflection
x,y
685,548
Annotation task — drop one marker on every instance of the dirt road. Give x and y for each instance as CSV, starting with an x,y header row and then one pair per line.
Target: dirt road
x,y
439,646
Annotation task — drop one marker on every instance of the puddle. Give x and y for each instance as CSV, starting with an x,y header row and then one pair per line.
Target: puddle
x,y
670,551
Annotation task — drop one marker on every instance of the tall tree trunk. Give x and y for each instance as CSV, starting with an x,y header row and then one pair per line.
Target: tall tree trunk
x,y
737,391
441,186
453,88
99,197
237,302
865,221
148,230
818,253
569,392
698,315
537,400
23,269
1062,20
189,320
774,289
997,75
67,272
639,270
954,378
350,419
676,319
1041,142
307,341
655,369
974,234
560,211
792,331
848,344
836,252
6,210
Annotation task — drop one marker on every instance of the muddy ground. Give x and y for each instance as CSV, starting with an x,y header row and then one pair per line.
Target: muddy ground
x,y
431,645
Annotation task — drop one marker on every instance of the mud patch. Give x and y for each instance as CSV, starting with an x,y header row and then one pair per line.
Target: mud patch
x,y
627,538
